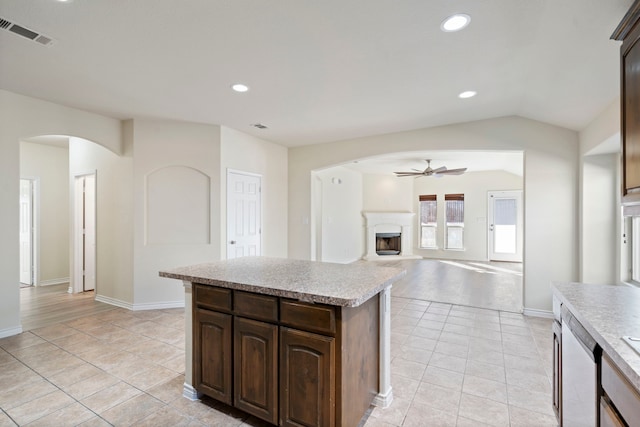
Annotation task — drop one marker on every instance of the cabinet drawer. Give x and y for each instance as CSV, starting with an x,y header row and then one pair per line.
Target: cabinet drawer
x,y
256,306
620,392
212,298
309,317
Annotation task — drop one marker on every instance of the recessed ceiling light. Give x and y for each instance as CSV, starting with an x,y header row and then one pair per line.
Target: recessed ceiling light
x,y
455,22
239,87
468,94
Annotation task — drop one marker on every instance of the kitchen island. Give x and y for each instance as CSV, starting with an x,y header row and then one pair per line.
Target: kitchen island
x,y
292,342
606,314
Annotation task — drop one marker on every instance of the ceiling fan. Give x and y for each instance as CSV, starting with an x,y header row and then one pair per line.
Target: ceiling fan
x,y
432,172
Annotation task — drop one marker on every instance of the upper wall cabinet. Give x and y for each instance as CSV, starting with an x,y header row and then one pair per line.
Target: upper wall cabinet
x,y
628,32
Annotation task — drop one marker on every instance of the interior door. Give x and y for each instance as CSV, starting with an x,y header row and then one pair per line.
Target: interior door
x,y
89,233
85,232
505,226
243,214
26,232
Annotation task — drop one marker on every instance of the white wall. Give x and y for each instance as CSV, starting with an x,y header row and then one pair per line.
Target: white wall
x,y
474,186
341,215
170,158
50,166
551,177
247,153
387,193
600,262
114,216
23,117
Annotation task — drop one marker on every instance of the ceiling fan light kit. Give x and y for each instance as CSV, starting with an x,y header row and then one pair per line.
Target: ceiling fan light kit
x,y
429,171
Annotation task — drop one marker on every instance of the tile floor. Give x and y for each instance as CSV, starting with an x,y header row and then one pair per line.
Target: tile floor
x,y
451,366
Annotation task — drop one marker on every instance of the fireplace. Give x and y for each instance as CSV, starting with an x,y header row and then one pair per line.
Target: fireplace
x,y
388,243
389,235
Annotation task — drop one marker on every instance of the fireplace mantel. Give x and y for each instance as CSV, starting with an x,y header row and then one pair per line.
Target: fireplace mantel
x,y
389,222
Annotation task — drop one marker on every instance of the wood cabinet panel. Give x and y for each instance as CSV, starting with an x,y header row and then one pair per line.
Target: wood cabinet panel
x,y
631,131
628,31
256,368
212,354
307,379
212,298
256,306
309,317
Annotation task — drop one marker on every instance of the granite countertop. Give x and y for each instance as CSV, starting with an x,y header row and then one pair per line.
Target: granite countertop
x,y
347,285
608,313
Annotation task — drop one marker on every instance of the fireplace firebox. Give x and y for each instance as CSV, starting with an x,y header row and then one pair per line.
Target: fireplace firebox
x,y
388,243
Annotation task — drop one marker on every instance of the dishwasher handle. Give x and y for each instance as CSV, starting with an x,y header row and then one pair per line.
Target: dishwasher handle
x,y
584,338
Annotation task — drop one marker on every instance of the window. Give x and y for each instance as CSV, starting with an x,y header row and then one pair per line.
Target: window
x,y
428,221
454,234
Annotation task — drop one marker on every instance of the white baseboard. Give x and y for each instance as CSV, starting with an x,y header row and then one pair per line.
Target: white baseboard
x,y
533,312
113,301
158,305
10,331
383,400
190,392
50,282
141,306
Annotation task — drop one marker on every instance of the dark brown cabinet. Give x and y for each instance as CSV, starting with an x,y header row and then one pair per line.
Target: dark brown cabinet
x,y
287,362
256,368
629,33
212,363
307,378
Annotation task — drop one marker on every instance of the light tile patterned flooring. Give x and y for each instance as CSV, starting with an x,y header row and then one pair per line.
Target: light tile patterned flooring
x,y
451,366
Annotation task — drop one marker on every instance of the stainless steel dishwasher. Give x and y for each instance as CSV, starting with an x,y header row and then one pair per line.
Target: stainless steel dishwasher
x,y
580,361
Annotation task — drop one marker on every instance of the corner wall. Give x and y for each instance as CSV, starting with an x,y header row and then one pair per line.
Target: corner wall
x,y
551,179
23,117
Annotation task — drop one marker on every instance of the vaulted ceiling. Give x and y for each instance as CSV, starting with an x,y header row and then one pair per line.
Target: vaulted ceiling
x,y
317,70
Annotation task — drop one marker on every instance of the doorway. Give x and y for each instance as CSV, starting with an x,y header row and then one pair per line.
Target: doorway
x,y
244,214
27,232
505,226
84,278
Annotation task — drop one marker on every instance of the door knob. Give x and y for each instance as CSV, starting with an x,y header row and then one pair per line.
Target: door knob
x,y
232,242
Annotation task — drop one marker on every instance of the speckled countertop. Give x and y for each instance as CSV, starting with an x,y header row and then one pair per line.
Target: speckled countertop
x,y
347,285
608,313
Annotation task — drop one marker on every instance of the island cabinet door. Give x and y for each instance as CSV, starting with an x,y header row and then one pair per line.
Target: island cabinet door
x,y
307,379
256,368
212,354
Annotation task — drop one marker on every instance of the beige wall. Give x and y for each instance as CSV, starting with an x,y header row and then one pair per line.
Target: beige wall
x,y
387,193
114,219
186,154
475,187
23,117
49,166
551,178
339,215
246,153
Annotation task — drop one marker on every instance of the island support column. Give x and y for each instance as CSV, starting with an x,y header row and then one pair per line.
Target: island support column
x,y
188,390
385,393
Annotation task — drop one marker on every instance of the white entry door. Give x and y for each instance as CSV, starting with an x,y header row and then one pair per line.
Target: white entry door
x,y
505,226
26,232
85,232
244,228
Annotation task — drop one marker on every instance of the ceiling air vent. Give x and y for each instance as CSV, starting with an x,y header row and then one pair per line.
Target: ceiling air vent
x,y
259,126
25,32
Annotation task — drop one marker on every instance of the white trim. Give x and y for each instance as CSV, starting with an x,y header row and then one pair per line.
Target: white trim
x,y
113,301
142,306
534,312
383,400
8,332
58,281
190,392
158,305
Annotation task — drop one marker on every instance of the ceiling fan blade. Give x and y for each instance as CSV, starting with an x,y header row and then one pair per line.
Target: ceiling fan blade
x,y
453,171
440,169
408,173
